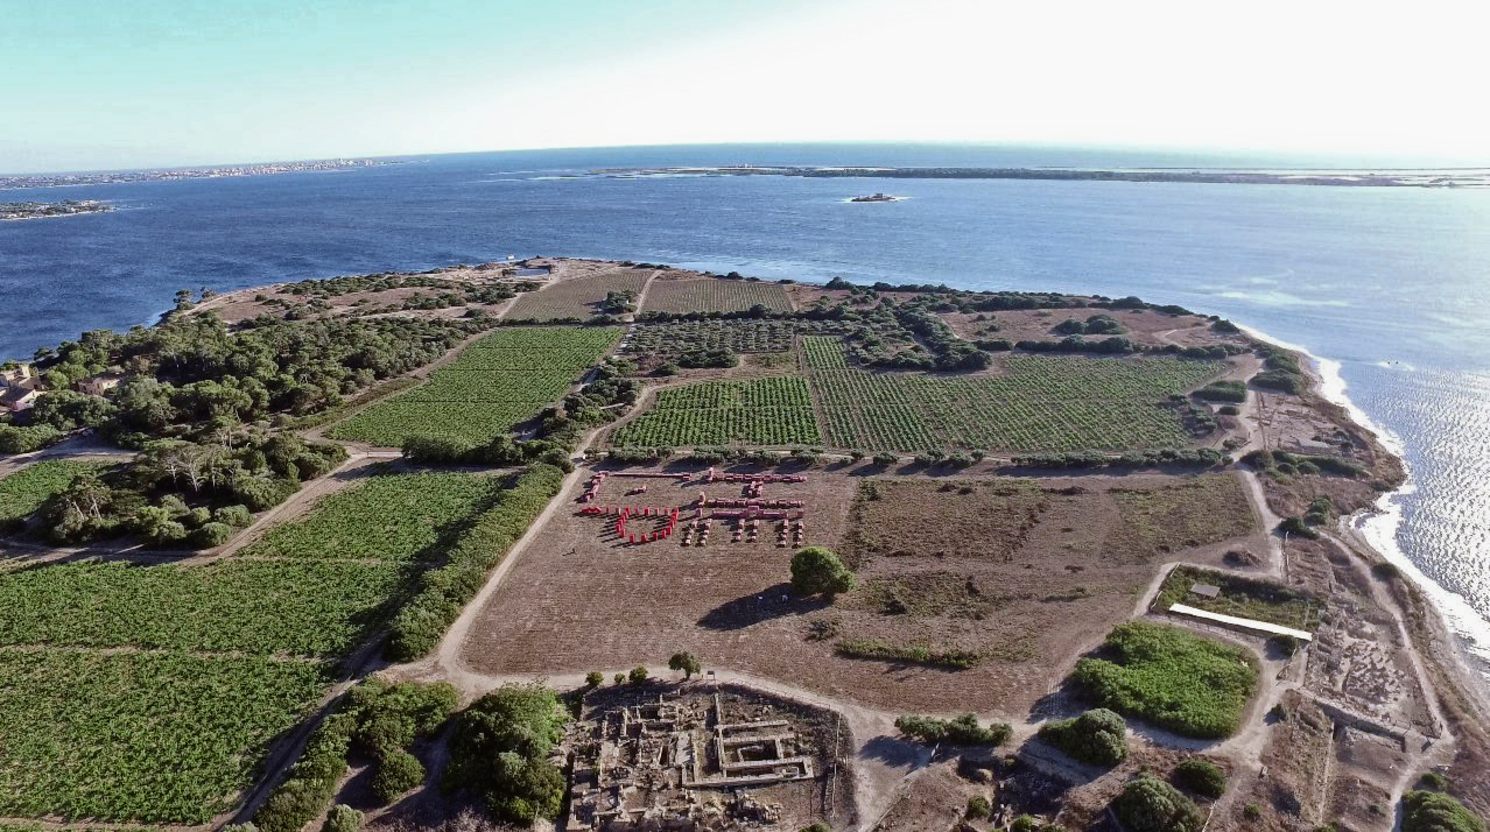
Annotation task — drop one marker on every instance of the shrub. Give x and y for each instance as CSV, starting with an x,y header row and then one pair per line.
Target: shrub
x,y
500,750
1025,823
962,730
236,516
978,808
686,662
1432,781
619,678
211,534
1172,678
637,675
1296,525
884,459
1201,776
594,679
1148,804
307,790
1098,737
398,772
817,570
342,818
1223,391
1429,811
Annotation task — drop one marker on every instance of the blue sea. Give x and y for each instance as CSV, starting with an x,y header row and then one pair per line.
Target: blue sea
x,y
1389,287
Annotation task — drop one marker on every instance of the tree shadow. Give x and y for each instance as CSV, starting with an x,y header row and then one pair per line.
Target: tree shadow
x,y
748,610
894,752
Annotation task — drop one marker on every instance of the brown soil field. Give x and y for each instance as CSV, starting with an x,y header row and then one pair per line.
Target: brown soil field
x,y
277,299
576,290
1036,590
715,295
1145,327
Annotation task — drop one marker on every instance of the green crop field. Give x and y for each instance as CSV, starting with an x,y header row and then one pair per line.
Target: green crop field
x,y
24,491
767,411
741,335
1038,403
387,518
577,299
153,737
1172,678
505,378
150,693
714,295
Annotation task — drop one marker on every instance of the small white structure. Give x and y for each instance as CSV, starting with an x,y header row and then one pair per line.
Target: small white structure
x,y
1249,624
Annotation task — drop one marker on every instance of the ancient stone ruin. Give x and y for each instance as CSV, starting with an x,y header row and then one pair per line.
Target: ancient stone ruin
x,y
676,763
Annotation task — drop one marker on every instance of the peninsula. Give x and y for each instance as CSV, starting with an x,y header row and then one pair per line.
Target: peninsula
x,y
54,180
618,545
1445,178
40,210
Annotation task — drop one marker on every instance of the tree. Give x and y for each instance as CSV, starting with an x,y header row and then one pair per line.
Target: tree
x,y
1200,776
342,818
817,570
1098,737
686,662
501,748
1148,804
637,675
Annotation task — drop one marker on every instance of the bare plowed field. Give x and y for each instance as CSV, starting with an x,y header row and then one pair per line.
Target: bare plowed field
x,y
1026,574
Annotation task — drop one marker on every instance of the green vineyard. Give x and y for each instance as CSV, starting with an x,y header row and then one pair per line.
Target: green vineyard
x,y
1039,403
505,378
163,685
767,411
744,336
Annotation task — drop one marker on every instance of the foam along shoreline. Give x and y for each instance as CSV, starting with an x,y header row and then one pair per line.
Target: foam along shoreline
x,y
1376,528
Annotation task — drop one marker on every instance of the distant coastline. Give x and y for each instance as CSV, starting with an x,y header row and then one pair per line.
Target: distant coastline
x,y
54,180
1425,178
46,210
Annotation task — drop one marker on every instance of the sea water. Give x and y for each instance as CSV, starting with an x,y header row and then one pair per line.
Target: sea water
x,y
1390,287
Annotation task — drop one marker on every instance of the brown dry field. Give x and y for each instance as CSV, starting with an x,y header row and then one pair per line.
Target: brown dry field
x,y
576,289
676,294
241,305
578,600
1145,326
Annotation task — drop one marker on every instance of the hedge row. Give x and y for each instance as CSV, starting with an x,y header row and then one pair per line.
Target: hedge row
x,y
307,791
444,591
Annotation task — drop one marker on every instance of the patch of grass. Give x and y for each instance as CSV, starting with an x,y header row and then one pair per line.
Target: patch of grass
x,y
1195,512
928,594
946,657
1171,678
982,519
1244,597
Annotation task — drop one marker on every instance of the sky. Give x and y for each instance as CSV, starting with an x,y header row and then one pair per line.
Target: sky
x,y
99,84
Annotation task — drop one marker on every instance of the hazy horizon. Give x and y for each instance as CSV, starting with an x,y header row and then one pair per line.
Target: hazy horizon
x,y
1147,157
182,83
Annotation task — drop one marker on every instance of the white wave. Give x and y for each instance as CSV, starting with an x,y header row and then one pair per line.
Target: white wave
x,y
1277,298
1379,525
